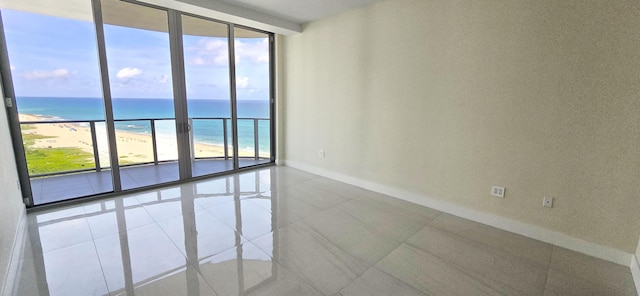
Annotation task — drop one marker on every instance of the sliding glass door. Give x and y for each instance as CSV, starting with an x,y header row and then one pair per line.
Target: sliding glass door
x,y
161,97
253,96
139,63
56,86
206,62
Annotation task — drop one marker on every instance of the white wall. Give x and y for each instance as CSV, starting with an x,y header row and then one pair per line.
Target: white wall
x,y
11,208
447,98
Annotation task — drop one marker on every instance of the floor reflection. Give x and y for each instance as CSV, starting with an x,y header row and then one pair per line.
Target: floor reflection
x,y
281,231
182,240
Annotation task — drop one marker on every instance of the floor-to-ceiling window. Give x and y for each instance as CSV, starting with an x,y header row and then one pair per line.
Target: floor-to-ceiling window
x,y
206,62
253,95
139,63
56,82
135,108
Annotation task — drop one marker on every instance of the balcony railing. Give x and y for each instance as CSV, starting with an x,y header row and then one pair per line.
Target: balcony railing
x,y
153,133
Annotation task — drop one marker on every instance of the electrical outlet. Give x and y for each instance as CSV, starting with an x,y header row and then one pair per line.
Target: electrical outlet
x,y
321,153
497,191
547,202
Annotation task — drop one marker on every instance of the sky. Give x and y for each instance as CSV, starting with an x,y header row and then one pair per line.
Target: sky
x,y
57,57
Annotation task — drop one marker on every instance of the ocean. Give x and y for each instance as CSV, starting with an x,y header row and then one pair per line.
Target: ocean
x,y
204,131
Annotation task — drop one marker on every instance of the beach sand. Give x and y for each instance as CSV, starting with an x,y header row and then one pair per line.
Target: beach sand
x,y
132,147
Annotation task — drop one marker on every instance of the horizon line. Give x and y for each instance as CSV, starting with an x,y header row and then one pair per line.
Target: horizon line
x,y
113,98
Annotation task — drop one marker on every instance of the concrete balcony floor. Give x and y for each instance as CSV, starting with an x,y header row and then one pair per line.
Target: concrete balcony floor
x,y
64,187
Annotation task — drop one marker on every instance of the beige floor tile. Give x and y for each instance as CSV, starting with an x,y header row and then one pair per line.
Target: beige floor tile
x,y
351,235
282,231
312,257
394,221
580,268
564,284
511,243
431,275
377,283
502,272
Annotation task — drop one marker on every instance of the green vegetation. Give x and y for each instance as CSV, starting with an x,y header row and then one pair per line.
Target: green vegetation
x,y
51,160
124,161
54,160
26,127
30,139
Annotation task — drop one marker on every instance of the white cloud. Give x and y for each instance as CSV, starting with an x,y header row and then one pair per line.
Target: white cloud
x,y
128,73
256,52
213,44
12,68
216,52
163,79
210,52
40,74
198,61
242,82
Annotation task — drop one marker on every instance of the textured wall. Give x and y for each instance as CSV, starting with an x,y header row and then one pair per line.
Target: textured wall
x,y
447,98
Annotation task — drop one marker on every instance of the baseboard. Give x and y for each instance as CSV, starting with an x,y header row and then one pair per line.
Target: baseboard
x,y
635,272
16,254
514,226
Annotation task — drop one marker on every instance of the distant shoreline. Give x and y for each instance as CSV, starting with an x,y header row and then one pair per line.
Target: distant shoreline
x,y
207,130
40,117
100,98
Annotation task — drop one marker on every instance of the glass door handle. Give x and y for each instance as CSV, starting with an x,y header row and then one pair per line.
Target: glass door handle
x,y
186,127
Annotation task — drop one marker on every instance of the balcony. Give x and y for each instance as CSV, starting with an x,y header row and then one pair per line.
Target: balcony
x,y
70,158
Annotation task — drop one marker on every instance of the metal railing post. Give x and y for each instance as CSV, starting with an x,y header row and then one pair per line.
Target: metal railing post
x,y
226,142
94,143
256,141
154,141
191,140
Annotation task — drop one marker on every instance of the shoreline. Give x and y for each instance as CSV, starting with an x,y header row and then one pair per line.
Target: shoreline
x,y
133,148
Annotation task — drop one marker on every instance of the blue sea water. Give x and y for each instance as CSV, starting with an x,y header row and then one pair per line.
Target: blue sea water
x,y
205,131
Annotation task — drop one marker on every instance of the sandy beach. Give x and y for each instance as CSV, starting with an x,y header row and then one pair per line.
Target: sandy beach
x,y
132,147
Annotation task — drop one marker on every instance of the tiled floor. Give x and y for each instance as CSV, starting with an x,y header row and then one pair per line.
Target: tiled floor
x,y
280,231
63,187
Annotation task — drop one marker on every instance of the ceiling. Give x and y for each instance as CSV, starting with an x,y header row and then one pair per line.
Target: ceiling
x,y
300,11
278,16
